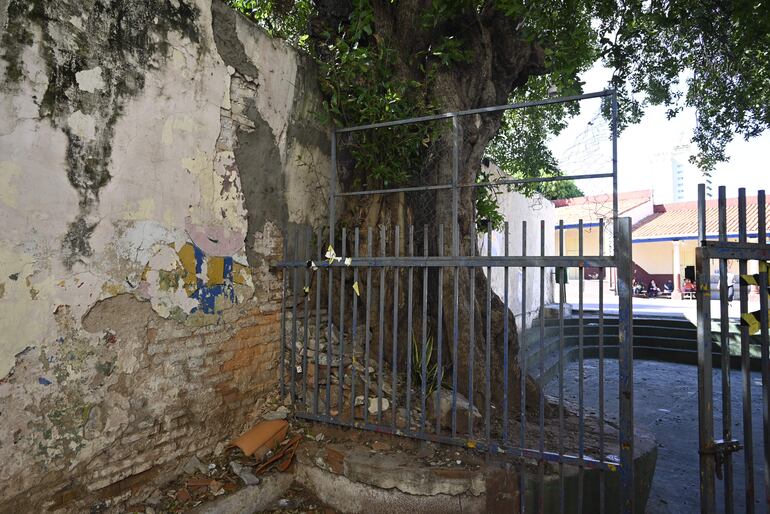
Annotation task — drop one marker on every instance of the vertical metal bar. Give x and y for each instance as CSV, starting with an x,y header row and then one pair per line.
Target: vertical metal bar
x,y
581,369
602,474
614,129
541,370
329,329
455,189
409,335
724,344
295,273
505,338
394,350
472,331
424,343
367,322
625,364
341,366
381,323
455,334
285,274
439,331
705,392
748,438
333,187
488,338
354,331
523,375
306,329
764,342
562,294
319,281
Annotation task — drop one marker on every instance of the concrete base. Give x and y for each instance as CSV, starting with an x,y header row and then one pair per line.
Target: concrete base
x,y
350,477
356,480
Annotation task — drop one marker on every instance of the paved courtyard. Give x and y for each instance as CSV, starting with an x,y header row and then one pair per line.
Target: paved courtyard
x,y
646,306
666,403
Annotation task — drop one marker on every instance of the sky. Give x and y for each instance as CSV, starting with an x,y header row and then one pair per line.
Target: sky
x,y
645,151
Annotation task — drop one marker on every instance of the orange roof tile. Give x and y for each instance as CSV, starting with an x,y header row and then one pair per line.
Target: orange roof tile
x,y
680,220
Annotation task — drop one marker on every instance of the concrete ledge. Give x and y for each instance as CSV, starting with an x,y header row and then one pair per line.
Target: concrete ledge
x,y
250,499
357,480
345,495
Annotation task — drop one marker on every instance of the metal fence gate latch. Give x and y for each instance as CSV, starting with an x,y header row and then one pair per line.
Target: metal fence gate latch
x,y
719,450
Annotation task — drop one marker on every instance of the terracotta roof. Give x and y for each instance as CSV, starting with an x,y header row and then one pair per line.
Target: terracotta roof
x,y
681,219
593,208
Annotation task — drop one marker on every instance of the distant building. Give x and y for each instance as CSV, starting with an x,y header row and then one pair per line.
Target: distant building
x,y
664,236
685,176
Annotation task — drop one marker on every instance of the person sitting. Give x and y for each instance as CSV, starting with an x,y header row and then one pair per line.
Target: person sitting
x,y
638,288
652,290
668,288
688,289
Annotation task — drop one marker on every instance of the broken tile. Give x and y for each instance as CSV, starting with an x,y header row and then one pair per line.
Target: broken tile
x,y
262,437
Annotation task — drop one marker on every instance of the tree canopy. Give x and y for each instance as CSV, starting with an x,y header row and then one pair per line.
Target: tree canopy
x,y
710,55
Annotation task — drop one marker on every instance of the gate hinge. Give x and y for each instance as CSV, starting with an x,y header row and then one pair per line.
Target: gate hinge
x,y
719,449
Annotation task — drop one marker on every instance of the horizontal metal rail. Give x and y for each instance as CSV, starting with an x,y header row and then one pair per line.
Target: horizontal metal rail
x,y
573,460
462,262
481,110
504,182
735,250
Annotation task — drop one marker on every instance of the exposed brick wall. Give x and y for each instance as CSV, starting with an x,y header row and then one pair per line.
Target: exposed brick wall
x,y
178,390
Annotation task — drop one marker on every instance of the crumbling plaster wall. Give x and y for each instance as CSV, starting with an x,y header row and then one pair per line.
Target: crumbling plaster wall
x,y
150,154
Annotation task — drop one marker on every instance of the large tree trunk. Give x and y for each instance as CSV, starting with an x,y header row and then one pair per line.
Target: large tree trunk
x,y
502,61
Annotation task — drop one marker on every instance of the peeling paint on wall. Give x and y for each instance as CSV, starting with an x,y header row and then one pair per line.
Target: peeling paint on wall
x,y
148,170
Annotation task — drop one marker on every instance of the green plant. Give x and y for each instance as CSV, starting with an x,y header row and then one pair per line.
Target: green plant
x,y
431,365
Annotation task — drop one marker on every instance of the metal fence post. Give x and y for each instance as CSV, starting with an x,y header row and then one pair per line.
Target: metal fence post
x,y
623,255
705,392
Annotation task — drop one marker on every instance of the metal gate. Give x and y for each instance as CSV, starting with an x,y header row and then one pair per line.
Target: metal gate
x,y
371,331
734,340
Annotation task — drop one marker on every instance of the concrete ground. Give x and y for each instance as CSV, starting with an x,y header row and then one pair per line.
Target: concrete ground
x,y
647,306
666,403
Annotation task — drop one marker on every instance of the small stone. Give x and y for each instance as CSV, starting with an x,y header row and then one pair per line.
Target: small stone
x,y
374,405
212,468
319,437
155,497
194,466
359,401
280,413
458,462
220,447
244,473
149,510
183,495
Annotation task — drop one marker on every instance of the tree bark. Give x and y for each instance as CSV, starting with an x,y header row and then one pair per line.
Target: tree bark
x,y
502,61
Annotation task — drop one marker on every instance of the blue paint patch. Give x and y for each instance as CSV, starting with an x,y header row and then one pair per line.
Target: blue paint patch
x,y
207,295
44,381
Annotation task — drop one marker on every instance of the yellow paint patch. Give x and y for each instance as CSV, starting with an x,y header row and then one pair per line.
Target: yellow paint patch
x,y
240,274
187,258
142,210
8,194
215,271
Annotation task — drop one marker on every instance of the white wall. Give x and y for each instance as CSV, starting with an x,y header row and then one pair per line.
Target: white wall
x,y
517,208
